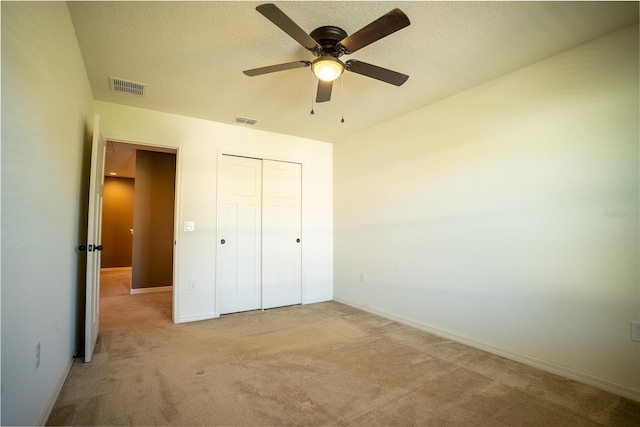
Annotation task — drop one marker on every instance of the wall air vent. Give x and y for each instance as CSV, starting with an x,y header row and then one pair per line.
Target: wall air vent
x,y
245,121
127,86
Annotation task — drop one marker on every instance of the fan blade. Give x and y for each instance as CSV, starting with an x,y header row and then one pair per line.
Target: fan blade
x,y
282,21
274,68
381,27
375,72
324,91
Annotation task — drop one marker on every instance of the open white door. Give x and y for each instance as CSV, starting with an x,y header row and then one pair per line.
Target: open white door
x,y
94,235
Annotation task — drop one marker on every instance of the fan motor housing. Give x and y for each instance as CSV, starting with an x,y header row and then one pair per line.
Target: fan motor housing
x,y
328,37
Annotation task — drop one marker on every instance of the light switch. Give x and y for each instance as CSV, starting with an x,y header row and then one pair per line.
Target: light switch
x,y
189,226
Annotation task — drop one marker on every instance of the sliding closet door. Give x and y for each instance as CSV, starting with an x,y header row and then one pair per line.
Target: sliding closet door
x,y
281,245
239,234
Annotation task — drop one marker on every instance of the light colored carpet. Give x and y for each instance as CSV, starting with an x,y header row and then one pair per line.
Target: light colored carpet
x,y
319,364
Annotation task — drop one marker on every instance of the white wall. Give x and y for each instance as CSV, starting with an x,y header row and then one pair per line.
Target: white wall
x,y
199,143
46,115
484,217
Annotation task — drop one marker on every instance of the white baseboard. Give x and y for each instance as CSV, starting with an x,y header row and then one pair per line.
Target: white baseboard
x,y
152,289
115,269
197,317
316,300
554,368
46,411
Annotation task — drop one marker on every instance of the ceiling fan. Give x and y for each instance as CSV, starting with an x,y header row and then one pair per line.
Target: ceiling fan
x,y
329,43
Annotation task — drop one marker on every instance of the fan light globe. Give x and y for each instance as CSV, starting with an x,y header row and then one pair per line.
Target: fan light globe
x,y
327,68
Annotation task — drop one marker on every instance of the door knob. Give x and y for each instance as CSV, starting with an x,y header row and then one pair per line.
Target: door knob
x,y
82,248
297,240
223,241
98,247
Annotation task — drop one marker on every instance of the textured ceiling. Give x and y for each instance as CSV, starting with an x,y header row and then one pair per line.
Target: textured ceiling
x,y
191,55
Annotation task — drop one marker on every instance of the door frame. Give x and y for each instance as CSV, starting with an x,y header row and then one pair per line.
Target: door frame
x,y
259,156
176,211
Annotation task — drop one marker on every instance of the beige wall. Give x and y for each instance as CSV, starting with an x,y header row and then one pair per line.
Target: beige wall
x,y
117,220
507,216
46,126
47,118
199,143
154,204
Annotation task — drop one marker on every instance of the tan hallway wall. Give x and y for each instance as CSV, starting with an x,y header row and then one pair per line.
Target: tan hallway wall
x,y
154,201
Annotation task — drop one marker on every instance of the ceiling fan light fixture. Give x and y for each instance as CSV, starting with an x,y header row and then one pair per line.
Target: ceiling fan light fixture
x,y
327,68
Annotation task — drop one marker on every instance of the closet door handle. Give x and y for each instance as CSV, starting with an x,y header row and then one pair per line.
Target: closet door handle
x,y
297,240
222,242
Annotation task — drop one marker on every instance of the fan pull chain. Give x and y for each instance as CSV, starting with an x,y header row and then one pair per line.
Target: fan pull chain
x,y
342,97
312,112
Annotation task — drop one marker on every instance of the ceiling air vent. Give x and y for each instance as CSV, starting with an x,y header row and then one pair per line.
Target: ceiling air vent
x,y
127,86
245,121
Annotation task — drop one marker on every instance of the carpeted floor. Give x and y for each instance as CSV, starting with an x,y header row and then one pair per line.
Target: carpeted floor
x,y
319,364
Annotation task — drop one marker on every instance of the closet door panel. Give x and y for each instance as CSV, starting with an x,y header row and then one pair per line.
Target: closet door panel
x,y
281,234
239,233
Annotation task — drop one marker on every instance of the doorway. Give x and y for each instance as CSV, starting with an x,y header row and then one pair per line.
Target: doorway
x,y
138,217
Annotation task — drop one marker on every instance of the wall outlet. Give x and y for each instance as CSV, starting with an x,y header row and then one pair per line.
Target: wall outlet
x,y
361,277
635,330
192,285
189,226
37,354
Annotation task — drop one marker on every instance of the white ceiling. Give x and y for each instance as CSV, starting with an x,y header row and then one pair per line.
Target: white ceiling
x,y
191,55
